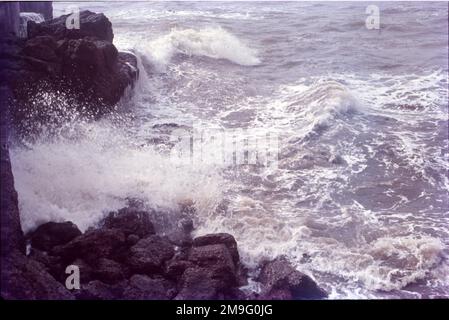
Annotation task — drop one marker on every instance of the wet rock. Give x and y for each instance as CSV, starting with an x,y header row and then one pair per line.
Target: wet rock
x,y
108,271
10,227
51,234
97,290
86,271
175,268
149,254
282,281
217,259
91,25
142,287
53,265
25,278
219,238
130,221
82,65
42,48
92,245
197,284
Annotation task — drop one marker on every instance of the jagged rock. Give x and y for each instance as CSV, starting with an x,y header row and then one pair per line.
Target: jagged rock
x,y
282,281
197,284
82,65
86,271
91,25
130,221
25,278
175,268
42,47
97,290
217,259
142,287
53,265
51,234
219,238
92,245
149,254
108,271
10,228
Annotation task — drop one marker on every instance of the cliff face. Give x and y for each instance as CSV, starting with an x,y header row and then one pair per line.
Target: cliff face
x,y
11,231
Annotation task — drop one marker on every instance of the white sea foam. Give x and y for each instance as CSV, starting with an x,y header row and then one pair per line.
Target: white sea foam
x,y
212,42
81,179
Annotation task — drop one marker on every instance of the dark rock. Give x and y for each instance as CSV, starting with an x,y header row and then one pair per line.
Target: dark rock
x,y
219,238
83,66
42,48
130,221
132,239
91,25
217,260
92,245
86,271
97,290
149,254
10,227
108,271
175,268
197,284
282,281
51,234
25,278
53,265
142,287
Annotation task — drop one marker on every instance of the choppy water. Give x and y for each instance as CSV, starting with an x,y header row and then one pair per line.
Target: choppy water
x,y
359,198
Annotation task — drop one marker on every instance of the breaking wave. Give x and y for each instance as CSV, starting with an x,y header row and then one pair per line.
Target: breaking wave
x,y
211,42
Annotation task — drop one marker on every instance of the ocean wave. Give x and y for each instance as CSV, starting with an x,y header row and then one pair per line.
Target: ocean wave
x,y
94,168
211,42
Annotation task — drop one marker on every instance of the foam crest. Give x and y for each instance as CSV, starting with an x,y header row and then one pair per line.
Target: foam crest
x,y
211,42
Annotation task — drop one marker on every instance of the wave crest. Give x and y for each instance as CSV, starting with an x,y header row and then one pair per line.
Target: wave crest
x,y
215,43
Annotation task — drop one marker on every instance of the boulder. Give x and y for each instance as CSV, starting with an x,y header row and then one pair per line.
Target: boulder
x,y
197,284
25,278
86,271
51,234
176,267
218,262
149,255
91,25
83,66
92,245
97,290
108,271
219,238
130,221
142,287
281,280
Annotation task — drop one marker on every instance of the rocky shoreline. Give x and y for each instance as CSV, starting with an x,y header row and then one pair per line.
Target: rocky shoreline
x,y
129,255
